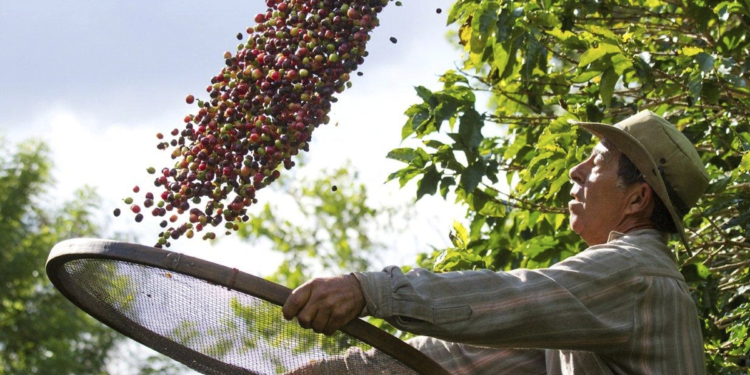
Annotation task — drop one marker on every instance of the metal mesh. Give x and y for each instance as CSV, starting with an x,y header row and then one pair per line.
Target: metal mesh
x,y
210,328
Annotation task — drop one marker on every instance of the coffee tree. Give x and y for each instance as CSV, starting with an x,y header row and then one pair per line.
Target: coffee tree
x,y
41,332
542,63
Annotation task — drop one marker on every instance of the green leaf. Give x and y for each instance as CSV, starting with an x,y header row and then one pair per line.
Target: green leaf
x,y
424,93
445,184
445,154
737,221
492,168
513,45
484,18
596,53
719,185
431,143
621,63
695,85
506,22
450,78
488,12
472,176
725,8
475,228
603,32
421,158
406,130
607,86
446,109
459,9
736,81
428,183
745,163
691,50
461,237
644,72
492,208
711,93
705,61
733,39
501,56
470,128
586,76
593,113
532,56
418,115
560,181
536,246
477,199
562,36
404,175
518,143
544,19
562,124
695,272
559,220
405,155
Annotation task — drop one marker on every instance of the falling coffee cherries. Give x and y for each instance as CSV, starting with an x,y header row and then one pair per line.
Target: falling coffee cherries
x,y
259,111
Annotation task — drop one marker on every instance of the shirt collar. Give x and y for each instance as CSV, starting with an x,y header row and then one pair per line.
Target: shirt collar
x,y
614,235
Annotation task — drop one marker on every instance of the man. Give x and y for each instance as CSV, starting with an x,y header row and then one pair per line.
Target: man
x,y
620,307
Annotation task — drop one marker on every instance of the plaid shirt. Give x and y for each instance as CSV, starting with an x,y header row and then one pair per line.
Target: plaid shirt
x,y
616,308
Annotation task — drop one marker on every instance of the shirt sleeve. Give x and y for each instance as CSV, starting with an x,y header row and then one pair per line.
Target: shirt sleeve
x,y
583,303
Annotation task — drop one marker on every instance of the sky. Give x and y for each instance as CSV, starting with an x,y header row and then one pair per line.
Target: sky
x,y
96,80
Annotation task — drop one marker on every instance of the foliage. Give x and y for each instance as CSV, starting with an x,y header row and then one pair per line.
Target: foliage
x,y
39,329
544,62
324,230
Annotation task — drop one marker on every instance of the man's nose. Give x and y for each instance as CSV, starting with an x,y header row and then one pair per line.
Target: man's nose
x,y
576,173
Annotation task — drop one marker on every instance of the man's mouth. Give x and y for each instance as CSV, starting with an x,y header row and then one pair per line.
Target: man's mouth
x,y
575,197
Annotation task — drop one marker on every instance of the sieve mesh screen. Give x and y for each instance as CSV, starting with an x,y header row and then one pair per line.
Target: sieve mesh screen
x,y
211,328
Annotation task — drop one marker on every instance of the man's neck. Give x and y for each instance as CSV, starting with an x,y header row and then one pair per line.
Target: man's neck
x,y
637,227
624,227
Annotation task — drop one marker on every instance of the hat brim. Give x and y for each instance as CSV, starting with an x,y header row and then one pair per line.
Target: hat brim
x,y
638,154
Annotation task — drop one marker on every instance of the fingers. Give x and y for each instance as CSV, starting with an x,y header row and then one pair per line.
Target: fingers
x,y
296,301
321,322
311,316
335,321
325,305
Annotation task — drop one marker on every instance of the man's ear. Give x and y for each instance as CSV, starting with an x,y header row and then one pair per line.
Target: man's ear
x,y
641,199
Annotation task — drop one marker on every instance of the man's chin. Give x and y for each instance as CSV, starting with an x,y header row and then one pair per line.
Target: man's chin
x,y
574,229
574,224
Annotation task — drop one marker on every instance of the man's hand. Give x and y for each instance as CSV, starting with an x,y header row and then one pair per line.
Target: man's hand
x,y
325,304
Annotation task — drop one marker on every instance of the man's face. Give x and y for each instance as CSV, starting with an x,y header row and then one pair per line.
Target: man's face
x,y
597,206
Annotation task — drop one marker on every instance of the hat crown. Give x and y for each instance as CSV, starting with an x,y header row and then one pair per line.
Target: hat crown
x,y
674,154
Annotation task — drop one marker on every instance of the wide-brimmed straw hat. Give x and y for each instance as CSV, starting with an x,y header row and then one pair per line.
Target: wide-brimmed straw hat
x,y
668,161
